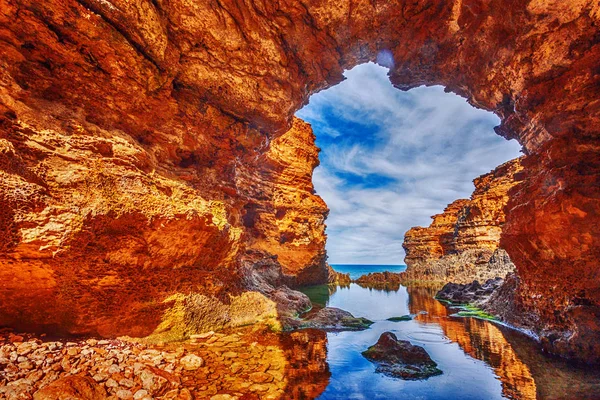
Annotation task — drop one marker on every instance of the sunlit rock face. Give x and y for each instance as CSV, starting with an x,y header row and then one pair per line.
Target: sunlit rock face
x,y
131,132
462,243
284,216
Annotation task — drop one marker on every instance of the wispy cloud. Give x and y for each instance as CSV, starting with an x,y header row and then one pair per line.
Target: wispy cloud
x,y
391,159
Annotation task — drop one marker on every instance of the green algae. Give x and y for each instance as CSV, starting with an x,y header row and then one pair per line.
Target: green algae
x,y
399,319
469,310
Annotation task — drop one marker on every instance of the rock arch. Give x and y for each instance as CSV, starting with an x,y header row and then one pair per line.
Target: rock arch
x,y
146,146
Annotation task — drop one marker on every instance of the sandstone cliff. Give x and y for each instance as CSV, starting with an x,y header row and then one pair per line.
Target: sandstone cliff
x,y
135,139
461,244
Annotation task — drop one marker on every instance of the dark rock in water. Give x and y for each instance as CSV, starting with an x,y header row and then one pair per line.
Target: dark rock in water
x,y
471,293
399,319
333,320
401,359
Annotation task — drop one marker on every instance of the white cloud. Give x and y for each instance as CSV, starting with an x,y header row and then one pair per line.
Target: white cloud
x,y
391,159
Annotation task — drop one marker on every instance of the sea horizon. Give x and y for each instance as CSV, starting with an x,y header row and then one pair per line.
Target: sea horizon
x,y
357,270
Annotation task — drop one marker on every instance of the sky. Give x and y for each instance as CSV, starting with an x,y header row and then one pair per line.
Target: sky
x,y
392,159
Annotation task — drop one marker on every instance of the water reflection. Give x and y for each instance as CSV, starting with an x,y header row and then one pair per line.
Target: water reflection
x,y
479,339
480,359
307,372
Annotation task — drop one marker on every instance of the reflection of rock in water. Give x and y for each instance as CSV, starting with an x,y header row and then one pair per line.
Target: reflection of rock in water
x,y
307,372
525,372
422,299
555,379
479,339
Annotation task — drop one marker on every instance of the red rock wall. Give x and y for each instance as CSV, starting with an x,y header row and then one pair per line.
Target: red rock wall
x,y
553,238
125,125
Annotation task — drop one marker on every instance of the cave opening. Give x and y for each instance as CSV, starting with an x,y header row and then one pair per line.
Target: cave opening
x,y
391,159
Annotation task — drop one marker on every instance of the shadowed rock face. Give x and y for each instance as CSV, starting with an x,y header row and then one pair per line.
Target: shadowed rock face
x,y
401,359
145,146
472,293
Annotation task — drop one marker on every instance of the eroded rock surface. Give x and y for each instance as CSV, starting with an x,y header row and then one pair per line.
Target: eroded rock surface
x,y
401,359
380,280
462,243
138,145
330,319
337,278
471,293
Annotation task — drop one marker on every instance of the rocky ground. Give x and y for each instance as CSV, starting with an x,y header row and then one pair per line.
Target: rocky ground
x,y
244,365
472,293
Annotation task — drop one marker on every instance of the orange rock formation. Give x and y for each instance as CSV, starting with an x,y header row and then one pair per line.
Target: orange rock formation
x,y
135,140
461,244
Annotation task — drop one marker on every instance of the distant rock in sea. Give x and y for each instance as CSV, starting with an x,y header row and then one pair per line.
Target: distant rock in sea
x,y
380,280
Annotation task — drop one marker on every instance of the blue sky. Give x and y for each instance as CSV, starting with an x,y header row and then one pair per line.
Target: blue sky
x,y
391,159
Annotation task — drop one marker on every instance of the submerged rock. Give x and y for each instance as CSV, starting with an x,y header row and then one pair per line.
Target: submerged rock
x,y
399,319
333,320
401,359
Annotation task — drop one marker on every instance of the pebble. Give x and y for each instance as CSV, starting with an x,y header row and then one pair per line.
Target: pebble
x,y
191,362
124,394
130,370
111,383
128,383
223,397
140,394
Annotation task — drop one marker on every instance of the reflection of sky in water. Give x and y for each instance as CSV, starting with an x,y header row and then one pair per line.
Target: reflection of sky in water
x,y
480,359
353,377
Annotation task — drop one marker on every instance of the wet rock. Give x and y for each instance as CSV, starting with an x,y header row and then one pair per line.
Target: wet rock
x,y
334,320
401,359
399,319
472,293
72,387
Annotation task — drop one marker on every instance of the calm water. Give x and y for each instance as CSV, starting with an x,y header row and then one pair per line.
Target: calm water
x,y
480,359
356,270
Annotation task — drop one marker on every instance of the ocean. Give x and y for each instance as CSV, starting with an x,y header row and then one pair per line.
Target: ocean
x,y
357,270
